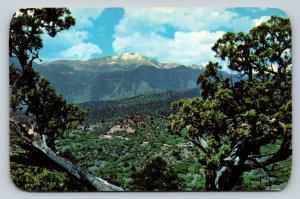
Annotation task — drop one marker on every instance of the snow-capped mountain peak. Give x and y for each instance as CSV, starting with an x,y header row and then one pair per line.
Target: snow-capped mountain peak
x,y
123,61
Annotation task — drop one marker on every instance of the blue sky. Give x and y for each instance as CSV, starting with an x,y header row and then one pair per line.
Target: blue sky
x,y
181,35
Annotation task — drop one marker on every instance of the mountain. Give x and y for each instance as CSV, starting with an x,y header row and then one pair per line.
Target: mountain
x,y
82,86
115,77
123,62
144,79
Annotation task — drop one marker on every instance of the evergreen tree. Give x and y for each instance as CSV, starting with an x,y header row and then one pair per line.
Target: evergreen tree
x,y
232,121
156,176
28,90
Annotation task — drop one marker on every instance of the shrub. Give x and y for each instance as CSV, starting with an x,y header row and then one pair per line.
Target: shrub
x,y
30,178
156,176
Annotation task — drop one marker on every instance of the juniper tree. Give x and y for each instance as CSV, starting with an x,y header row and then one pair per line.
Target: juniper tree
x,y
231,122
28,90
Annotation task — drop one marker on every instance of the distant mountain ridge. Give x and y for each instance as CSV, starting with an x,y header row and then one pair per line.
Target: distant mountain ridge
x,y
122,62
116,77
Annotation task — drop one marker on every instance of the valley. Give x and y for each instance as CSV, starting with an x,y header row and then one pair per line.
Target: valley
x,y
124,138
120,138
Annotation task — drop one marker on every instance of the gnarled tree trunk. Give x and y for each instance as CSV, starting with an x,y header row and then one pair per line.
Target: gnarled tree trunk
x,y
243,158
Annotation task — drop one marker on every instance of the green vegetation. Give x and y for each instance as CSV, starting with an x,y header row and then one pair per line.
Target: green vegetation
x,y
30,178
52,114
236,136
120,155
32,172
155,105
232,123
156,176
119,158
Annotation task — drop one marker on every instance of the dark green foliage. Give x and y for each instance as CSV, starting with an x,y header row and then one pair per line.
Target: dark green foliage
x,y
156,176
232,121
30,178
114,159
156,105
52,114
27,26
118,159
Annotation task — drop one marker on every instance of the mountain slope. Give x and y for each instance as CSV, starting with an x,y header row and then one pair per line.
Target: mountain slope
x,y
145,79
116,77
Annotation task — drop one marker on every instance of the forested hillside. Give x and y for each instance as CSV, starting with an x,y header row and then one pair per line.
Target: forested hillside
x,y
154,105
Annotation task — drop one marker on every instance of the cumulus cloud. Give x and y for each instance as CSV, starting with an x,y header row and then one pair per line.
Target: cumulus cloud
x,y
84,16
80,51
69,44
67,37
195,31
184,19
73,43
186,47
260,20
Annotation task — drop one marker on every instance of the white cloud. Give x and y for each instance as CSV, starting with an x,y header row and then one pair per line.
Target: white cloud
x,y
75,34
258,21
66,37
69,44
183,19
83,17
143,31
186,47
80,51
73,43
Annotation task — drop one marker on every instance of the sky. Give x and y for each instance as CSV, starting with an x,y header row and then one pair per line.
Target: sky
x,y
180,35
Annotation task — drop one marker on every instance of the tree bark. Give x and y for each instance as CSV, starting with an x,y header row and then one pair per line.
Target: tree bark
x,y
227,177
231,168
210,180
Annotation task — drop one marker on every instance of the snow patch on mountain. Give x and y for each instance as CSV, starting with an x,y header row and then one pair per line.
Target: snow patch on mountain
x,y
125,61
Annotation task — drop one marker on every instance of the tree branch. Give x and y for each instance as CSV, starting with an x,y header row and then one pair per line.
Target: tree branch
x,y
197,144
259,162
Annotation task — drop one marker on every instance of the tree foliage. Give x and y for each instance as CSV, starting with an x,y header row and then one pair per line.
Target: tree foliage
x,y
156,176
52,114
30,178
231,122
